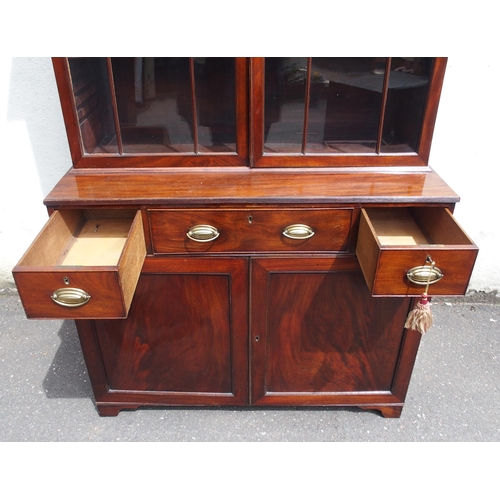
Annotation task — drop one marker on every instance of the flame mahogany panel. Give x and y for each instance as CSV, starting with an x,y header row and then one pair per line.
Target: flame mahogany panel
x,y
184,341
319,338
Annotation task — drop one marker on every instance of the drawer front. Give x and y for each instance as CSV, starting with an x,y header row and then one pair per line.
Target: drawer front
x,y
103,288
248,231
455,265
82,266
391,242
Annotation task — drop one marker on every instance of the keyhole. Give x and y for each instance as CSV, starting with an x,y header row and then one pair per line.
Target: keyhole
x,y
250,219
257,338
66,280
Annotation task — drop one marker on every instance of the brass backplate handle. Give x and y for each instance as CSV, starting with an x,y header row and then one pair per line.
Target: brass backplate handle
x,y
298,232
70,297
203,233
424,275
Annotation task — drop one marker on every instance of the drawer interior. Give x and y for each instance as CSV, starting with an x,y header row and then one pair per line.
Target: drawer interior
x,y
396,227
415,227
97,242
81,238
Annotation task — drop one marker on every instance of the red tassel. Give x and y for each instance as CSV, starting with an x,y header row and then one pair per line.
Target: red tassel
x,y
420,318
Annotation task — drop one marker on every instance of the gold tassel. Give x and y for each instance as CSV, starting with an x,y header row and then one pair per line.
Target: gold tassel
x,y
420,318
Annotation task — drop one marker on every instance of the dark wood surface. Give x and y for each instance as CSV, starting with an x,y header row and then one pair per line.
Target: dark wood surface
x,y
41,271
181,343
456,265
316,338
366,362
319,338
385,266
253,319
251,230
121,187
184,342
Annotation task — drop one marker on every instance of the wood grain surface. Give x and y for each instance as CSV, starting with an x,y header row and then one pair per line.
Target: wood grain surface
x,y
245,186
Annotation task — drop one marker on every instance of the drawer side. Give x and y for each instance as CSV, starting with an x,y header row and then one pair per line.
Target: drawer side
x,y
54,239
367,249
132,260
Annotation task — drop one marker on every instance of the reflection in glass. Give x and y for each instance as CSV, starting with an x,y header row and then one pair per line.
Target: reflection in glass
x,y
408,85
153,99
154,104
349,104
318,95
215,103
284,105
344,106
89,77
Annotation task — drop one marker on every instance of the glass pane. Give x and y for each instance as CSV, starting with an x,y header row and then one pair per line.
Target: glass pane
x,y
284,105
408,85
318,99
346,97
216,103
153,97
89,77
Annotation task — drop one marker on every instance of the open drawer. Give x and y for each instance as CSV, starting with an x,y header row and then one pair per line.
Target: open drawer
x,y
394,241
84,264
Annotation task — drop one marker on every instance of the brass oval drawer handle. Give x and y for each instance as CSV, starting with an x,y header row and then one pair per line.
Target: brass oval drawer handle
x,y
203,233
70,297
424,275
298,232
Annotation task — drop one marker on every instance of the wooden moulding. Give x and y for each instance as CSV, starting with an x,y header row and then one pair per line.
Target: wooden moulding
x,y
391,241
101,253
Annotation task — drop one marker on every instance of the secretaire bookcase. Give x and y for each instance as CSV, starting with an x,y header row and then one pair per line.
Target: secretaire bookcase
x,y
247,231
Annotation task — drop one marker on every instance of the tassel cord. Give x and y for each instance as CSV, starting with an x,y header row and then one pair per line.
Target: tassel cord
x,y
420,318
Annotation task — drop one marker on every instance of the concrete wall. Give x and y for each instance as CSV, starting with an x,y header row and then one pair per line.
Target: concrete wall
x,y
35,155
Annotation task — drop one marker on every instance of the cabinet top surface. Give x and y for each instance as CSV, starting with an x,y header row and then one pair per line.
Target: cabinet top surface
x,y
82,187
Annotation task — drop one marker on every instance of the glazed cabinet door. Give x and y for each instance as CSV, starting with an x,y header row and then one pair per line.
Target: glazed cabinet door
x,y
155,111
183,343
319,338
344,111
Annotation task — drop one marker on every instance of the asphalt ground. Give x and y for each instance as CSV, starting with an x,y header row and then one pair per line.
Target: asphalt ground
x,y
453,401
454,394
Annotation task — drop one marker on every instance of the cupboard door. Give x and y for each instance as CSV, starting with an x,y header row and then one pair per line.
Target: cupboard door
x,y
184,341
319,338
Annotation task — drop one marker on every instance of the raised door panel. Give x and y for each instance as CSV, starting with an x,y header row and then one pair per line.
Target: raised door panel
x,y
185,340
319,338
